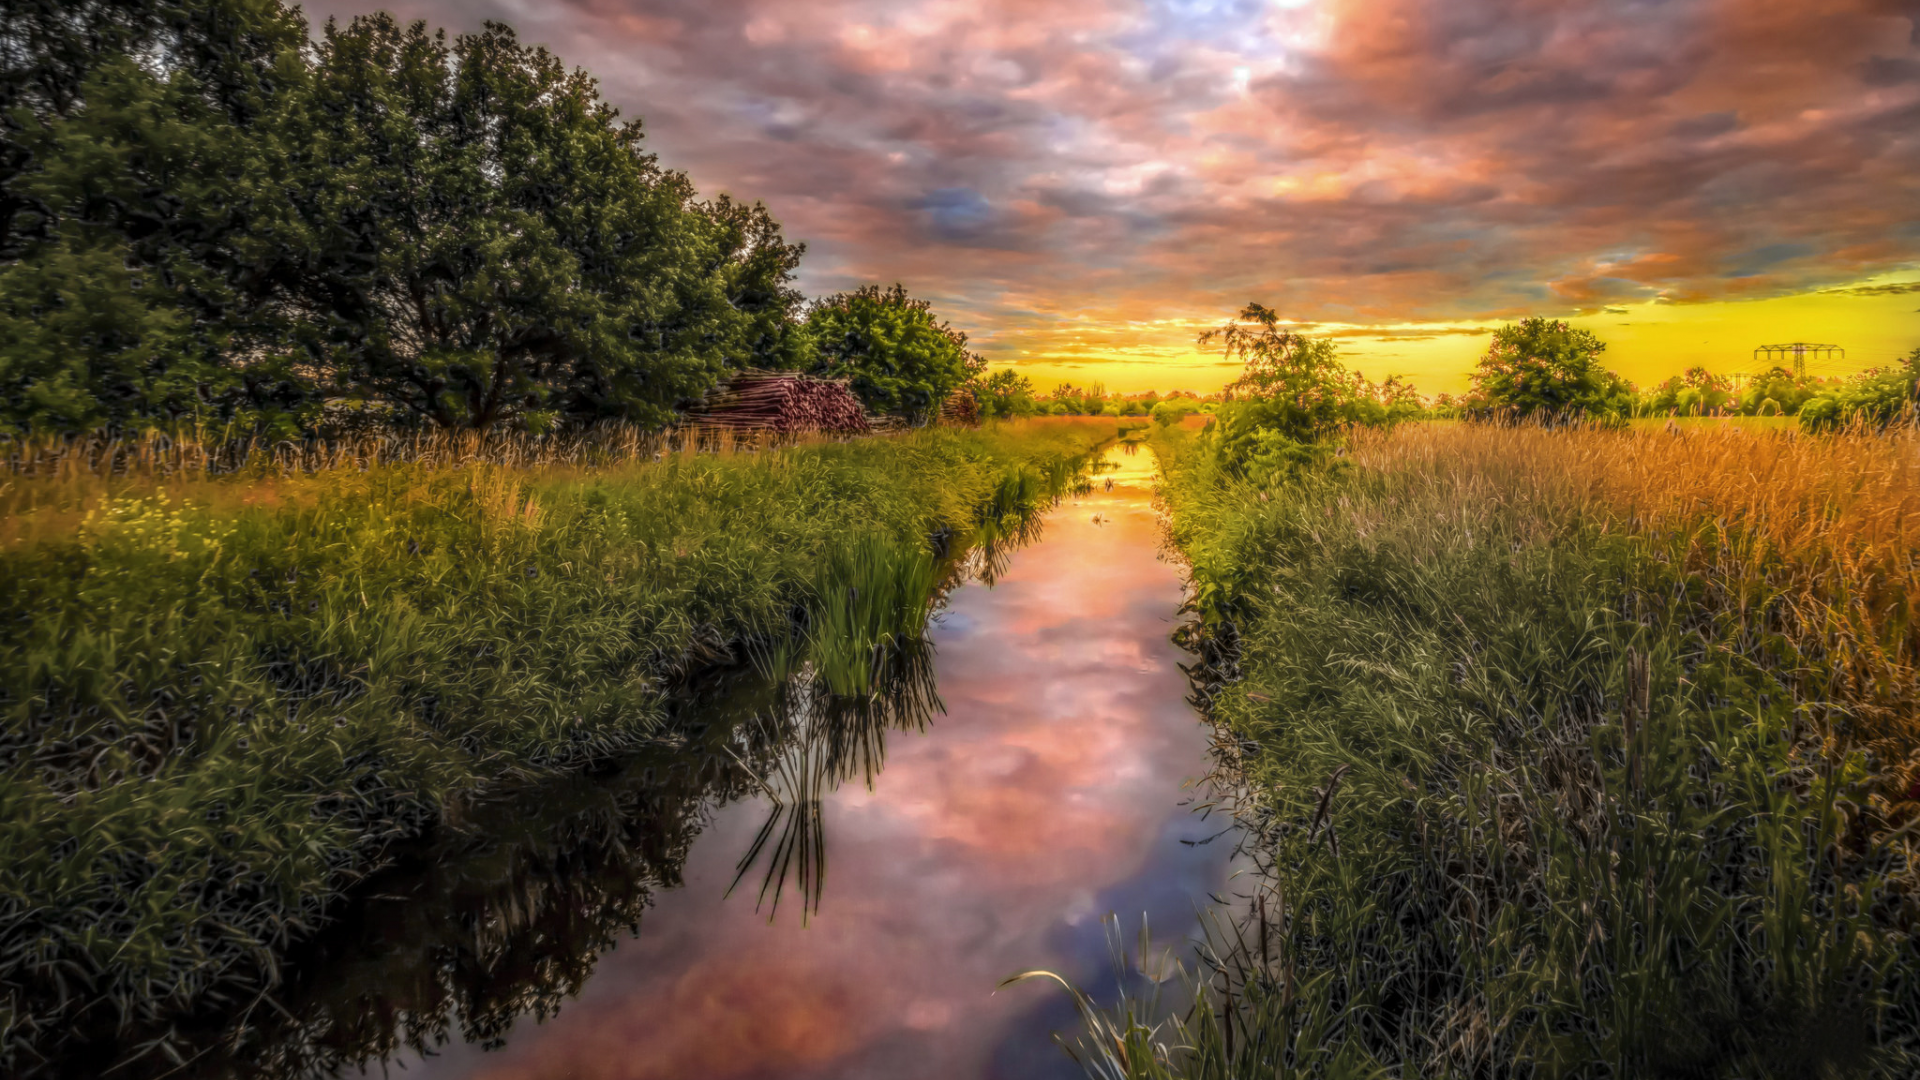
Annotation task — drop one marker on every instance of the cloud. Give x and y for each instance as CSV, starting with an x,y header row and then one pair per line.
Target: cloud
x,y
1030,162
1897,288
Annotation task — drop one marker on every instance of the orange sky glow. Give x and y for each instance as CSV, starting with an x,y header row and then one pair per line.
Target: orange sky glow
x,y
1082,185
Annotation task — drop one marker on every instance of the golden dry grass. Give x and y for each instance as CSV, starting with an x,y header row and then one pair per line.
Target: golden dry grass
x,y
1810,538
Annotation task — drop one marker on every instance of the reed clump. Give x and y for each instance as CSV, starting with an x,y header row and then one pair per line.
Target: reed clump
x,y
1555,757
227,691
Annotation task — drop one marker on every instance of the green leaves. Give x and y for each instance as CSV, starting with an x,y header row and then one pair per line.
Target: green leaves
x,y
1548,369
900,358
243,224
525,258
1874,399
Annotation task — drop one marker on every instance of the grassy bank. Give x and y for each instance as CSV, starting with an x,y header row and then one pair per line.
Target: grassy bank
x,y
1562,754
225,696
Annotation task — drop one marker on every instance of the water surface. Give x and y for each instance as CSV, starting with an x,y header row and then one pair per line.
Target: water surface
x,y
1049,794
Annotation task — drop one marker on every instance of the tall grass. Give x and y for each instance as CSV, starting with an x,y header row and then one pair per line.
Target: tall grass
x,y
225,694
1555,754
871,598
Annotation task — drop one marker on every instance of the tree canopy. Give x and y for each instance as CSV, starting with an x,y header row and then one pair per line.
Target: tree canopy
x,y
1289,383
899,356
1005,393
1874,399
1545,369
204,213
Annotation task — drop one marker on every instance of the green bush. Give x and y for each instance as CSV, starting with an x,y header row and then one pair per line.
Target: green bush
x,y
1875,399
898,355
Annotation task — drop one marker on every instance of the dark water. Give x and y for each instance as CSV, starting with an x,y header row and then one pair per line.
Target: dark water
x,y
993,839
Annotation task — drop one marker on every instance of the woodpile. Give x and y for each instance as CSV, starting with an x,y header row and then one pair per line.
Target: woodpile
x,y
960,408
786,402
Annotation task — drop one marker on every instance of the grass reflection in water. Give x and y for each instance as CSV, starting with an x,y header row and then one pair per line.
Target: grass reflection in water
x,y
505,913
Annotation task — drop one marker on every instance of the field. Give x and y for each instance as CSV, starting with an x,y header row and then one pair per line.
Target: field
x,y
228,693
1561,753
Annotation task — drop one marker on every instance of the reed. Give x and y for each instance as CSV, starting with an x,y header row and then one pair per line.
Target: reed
x,y
227,691
1807,539
1555,759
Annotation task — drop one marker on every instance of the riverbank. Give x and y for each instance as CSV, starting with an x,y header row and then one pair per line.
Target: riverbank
x,y
1563,754
226,697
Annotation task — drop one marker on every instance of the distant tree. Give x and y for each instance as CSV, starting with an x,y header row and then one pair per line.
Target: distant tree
x,y
1545,369
1694,392
900,357
1777,392
1173,410
1006,393
1876,398
1387,403
1292,384
1070,400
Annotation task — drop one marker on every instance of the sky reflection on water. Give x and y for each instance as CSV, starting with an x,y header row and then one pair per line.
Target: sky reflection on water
x,y
1047,796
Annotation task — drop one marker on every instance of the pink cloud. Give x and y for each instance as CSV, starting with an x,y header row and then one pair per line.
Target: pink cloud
x,y
1345,159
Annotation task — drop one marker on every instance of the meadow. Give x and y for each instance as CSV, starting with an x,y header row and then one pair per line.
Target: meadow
x,y
233,680
1559,752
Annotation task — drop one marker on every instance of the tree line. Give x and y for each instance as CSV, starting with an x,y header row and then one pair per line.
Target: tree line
x,y
1544,367
1294,393
208,215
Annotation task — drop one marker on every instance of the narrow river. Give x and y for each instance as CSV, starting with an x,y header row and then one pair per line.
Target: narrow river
x,y
1052,791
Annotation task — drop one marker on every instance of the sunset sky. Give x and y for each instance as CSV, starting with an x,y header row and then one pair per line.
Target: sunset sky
x,y
1082,185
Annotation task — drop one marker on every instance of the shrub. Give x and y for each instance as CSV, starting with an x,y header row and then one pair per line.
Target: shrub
x,y
1874,399
1545,369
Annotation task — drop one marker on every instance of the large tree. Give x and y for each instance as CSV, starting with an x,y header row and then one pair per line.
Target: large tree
x,y
519,257
899,356
1545,369
140,197
205,213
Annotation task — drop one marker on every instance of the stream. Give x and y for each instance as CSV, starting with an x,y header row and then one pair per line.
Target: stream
x,y
606,930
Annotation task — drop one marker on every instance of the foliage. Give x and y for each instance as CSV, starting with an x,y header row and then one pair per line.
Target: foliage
x,y
900,357
1006,393
1291,396
142,222
1776,392
1695,392
1070,400
224,697
1173,410
1546,369
206,215
1548,746
528,260
1298,383
1874,399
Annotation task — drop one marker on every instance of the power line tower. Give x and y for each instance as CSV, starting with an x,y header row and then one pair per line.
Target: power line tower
x,y
1773,355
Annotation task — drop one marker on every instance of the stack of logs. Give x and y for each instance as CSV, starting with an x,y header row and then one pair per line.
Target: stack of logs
x,y
960,408
786,402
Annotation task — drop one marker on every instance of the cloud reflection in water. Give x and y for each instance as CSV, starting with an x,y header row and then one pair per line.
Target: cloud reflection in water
x,y
1045,798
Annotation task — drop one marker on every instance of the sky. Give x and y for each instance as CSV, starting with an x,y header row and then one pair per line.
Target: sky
x,y
1083,185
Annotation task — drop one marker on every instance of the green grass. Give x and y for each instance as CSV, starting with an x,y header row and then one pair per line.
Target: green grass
x,y
225,698
1522,804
